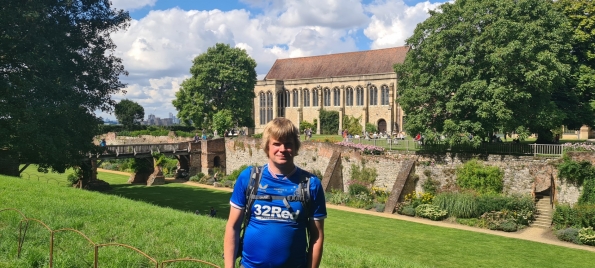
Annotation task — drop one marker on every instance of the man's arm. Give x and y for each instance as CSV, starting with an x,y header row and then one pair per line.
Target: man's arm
x,y
232,236
316,229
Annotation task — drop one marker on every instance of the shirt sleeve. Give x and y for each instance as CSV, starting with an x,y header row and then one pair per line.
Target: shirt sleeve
x,y
318,202
238,197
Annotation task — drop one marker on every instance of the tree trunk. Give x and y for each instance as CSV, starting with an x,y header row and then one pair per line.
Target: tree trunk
x,y
545,137
9,164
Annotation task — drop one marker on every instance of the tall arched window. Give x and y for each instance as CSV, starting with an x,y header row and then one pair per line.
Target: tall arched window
x,y
263,108
349,97
281,103
327,97
287,99
373,95
269,106
384,95
359,98
295,98
306,94
315,98
337,96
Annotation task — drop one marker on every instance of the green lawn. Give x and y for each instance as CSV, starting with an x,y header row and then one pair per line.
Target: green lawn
x,y
158,221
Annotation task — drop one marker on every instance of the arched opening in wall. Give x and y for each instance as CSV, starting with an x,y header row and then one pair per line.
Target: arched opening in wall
x,y
381,126
217,161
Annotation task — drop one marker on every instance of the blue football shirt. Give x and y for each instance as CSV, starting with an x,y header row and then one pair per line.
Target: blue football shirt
x,y
276,235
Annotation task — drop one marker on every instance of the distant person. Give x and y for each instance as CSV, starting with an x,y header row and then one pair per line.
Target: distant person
x,y
102,143
196,137
213,212
204,136
197,212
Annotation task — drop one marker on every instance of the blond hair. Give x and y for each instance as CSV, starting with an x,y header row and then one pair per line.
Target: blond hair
x,y
281,129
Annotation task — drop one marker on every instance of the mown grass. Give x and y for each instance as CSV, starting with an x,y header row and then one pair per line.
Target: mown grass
x,y
158,221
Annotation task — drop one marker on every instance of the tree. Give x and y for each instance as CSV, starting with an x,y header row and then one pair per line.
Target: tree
x,y
57,67
581,91
129,113
223,78
482,66
222,120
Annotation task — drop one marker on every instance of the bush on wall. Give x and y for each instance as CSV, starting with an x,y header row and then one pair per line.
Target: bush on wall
x,y
329,122
473,175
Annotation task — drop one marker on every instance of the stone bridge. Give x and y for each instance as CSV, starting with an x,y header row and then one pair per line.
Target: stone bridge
x,y
194,157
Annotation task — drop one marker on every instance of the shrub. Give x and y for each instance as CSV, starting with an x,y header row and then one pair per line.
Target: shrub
x,y
361,200
484,179
329,122
508,226
379,207
380,194
577,216
460,205
587,236
430,212
588,192
407,210
430,185
356,188
568,235
337,197
233,176
575,172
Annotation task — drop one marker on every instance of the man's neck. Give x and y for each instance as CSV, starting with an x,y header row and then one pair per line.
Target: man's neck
x,y
285,169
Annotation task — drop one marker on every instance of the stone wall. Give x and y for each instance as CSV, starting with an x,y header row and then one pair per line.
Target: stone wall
x,y
522,174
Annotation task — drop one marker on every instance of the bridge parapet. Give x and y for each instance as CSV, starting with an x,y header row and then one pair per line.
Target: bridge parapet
x,y
145,149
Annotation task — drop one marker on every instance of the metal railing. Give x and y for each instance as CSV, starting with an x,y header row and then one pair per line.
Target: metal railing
x,y
134,149
25,222
484,148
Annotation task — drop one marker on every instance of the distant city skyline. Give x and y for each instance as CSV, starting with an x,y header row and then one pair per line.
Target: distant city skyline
x,y
165,35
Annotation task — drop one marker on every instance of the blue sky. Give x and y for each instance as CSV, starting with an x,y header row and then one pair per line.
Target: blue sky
x,y
165,35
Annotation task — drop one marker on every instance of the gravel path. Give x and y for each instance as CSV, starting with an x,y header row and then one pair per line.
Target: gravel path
x,y
535,234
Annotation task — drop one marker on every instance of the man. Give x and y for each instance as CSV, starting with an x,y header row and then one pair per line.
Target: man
x,y
275,235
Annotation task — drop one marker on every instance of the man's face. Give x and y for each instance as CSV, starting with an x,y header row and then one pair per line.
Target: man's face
x,y
281,151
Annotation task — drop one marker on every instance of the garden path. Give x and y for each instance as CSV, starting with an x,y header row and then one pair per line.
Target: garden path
x,y
534,234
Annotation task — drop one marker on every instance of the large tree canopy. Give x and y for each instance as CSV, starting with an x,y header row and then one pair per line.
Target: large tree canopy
x,y
223,78
481,66
56,69
129,113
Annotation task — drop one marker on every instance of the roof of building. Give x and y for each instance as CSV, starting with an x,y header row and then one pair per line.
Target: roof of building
x,y
379,61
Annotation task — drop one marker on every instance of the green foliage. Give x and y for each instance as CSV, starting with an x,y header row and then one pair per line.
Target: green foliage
x,y
580,174
329,122
575,172
355,188
475,176
430,185
579,216
58,68
142,165
352,124
337,197
222,121
569,235
460,205
360,200
500,220
223,78
364,175
305,124
477,66
371,128
408,210
129,113
587,236
233,176
430,212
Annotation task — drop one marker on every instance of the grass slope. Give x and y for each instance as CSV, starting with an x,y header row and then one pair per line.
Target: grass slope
x,y
158,221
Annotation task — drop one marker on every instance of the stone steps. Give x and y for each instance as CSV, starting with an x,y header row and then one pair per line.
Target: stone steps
x,y
543,216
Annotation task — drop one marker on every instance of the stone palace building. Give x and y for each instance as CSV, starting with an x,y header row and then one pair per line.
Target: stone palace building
x,y
359,84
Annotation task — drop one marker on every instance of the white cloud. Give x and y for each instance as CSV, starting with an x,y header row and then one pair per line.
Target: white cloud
x,y
393,22
132,4
158,49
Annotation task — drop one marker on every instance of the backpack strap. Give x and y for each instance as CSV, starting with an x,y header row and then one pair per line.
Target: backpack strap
x,y
251,190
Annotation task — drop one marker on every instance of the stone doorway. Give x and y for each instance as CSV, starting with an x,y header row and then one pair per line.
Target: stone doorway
x,y
381,126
